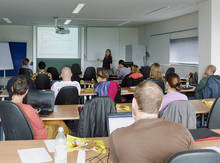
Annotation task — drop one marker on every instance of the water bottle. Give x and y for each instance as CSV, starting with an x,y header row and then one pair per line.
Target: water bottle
x,y
60,147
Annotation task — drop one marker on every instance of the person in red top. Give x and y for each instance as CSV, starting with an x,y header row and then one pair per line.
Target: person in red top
x,y
20,90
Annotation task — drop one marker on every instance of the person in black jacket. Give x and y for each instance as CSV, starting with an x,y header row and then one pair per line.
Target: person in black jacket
x,y
107,61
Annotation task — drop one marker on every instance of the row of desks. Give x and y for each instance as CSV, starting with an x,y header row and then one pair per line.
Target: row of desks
x,y
89,92
9,154
70,112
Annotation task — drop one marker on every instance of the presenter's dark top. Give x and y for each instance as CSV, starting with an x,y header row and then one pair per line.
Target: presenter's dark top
x,y
106,62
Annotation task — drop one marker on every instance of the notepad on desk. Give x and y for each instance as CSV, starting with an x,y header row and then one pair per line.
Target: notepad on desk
x,y
35,155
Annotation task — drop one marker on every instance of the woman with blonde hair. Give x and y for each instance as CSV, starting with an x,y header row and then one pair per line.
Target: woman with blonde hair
x,y
156,75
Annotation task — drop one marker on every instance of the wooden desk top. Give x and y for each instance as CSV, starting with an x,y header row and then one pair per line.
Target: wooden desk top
x,y
9,154
188,90
200,107
4,94
63,112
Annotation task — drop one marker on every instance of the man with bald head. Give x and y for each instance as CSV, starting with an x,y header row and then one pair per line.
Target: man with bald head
x,y
66,75
149,139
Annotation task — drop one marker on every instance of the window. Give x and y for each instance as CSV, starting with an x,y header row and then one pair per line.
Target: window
x,y
184,51
53,45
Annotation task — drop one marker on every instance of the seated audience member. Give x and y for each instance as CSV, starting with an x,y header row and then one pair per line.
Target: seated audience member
x,y
66,75
26,63
210,70
20,90
11,81
41,70
173,87
157,76
106,88
123,70
149,139
132,79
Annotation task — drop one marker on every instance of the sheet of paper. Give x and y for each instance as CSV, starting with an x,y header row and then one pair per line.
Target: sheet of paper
x,y
217,149
50,144
81,158
34,155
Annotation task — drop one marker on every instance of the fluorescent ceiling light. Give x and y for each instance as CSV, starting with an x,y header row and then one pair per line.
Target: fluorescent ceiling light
x,y
157,10
7,20
68,21
78,8
124,23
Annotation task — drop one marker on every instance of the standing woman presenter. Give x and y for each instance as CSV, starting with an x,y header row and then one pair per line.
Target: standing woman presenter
x,y
107,62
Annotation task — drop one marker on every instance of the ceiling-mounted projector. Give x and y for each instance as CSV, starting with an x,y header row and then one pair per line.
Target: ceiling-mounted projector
x,y
62,30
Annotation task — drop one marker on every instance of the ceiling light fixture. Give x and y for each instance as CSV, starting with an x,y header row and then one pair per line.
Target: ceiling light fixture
x,y
7,20
68,21
78,8
157,10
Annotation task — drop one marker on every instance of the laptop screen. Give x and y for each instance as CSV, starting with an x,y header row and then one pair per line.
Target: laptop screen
x,y
119,120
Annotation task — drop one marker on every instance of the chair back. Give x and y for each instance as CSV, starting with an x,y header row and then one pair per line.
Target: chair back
x,y
76,69
67,96
26,71
42,81
195,156
170,70
90,73
54,73
145,70
213,118
93,119
15,124
182,112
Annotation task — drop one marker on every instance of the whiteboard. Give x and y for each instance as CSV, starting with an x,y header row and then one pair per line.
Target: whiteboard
x,y
100,39
53,45
6,59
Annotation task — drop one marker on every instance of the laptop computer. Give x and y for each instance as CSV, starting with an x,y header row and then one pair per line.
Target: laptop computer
x,y
119,120
41,100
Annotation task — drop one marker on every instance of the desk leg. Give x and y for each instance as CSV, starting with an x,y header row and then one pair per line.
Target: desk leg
x,y
90,97
203,120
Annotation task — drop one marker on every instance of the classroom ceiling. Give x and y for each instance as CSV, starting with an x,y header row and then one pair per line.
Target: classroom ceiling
x,y
96,12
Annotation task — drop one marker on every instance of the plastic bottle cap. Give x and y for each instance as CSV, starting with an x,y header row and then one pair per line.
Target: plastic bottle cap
x,y
60,129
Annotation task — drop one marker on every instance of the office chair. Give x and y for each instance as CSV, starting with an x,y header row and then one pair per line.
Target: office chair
x,y
170,70
76,69
54,73
26,71
195,156
145,70
14,122
67,96
213,118
42,81
93,118
90,74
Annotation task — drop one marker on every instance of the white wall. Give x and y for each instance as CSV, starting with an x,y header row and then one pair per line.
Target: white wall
x,y
100,39
204,36
181,23
15,33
